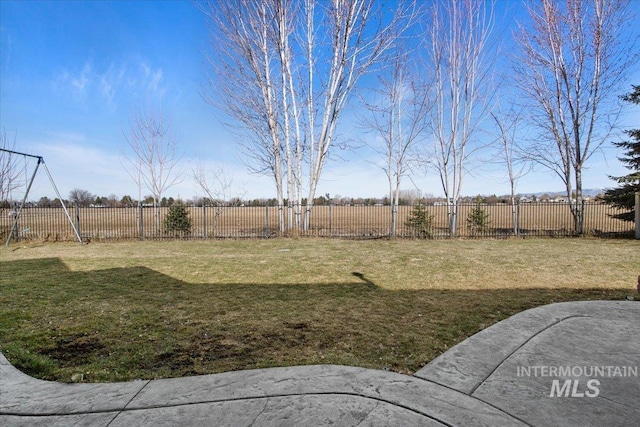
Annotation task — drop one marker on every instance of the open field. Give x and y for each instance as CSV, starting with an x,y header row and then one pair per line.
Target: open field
x,y
160,309
535,219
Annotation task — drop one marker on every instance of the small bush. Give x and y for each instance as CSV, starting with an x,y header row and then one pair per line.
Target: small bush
x,y
478,220
420,221
178,220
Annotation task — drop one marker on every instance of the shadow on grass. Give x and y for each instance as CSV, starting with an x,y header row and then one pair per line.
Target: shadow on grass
x,y
126,323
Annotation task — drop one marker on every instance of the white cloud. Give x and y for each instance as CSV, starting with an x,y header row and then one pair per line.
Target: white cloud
x,y
77,83
111,80
149,81
154,81
75,163
81,81
115,84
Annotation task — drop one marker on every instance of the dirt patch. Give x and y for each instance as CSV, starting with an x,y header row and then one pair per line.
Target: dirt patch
x,y
76,350
201,351
229,351
299,325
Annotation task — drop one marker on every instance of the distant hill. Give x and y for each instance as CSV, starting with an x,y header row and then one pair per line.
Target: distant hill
x,y
587,192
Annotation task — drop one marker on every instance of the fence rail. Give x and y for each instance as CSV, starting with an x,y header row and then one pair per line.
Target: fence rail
x,y
362,222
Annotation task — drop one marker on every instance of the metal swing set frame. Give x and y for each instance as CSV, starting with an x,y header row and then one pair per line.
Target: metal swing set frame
x,y
40,159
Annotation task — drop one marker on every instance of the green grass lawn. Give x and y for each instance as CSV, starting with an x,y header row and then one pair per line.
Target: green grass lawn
x,y
122,311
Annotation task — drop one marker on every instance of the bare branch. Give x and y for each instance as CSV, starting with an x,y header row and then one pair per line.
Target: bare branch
x,y
573,59
285,87
215,184
10,169
459,34
153,153
398,112
81,197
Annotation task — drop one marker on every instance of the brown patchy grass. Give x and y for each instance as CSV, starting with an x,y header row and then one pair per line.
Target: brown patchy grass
x,y
164,309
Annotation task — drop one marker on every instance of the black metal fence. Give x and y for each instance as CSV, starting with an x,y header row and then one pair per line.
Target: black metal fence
x,y
359,222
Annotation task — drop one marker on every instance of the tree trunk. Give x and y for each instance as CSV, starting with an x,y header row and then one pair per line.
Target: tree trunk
x,y
514,216
579,206
453,218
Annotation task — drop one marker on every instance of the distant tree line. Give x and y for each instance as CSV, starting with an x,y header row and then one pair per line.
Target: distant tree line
x,y
84,198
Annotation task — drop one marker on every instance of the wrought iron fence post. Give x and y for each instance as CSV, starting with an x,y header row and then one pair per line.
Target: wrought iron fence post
x,y
266,221
637,215
204,220
14,229
140,222
517,224
78,219
582,217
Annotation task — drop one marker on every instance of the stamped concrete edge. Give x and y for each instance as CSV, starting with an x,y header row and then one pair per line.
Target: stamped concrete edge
x,y
466,365
21,394
26,398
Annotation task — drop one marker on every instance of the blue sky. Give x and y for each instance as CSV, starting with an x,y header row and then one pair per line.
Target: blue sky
x,y
72,71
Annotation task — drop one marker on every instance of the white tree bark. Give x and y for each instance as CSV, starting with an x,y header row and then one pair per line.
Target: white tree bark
x,y
286,87
459,34
398,112
574,56
514,159
357,40
244,82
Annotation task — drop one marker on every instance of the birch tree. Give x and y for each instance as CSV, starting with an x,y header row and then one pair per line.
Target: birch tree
x,y
286,86
152,154
359,36
458,41
574,55
398,112
511,154
244,82
287,18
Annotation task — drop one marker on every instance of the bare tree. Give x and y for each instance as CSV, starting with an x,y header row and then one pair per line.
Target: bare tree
x,y
398,119
513,158
286,86
244,81
81,197
153,154
574,56
459,34
10,168
216,186
410,196
359,37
